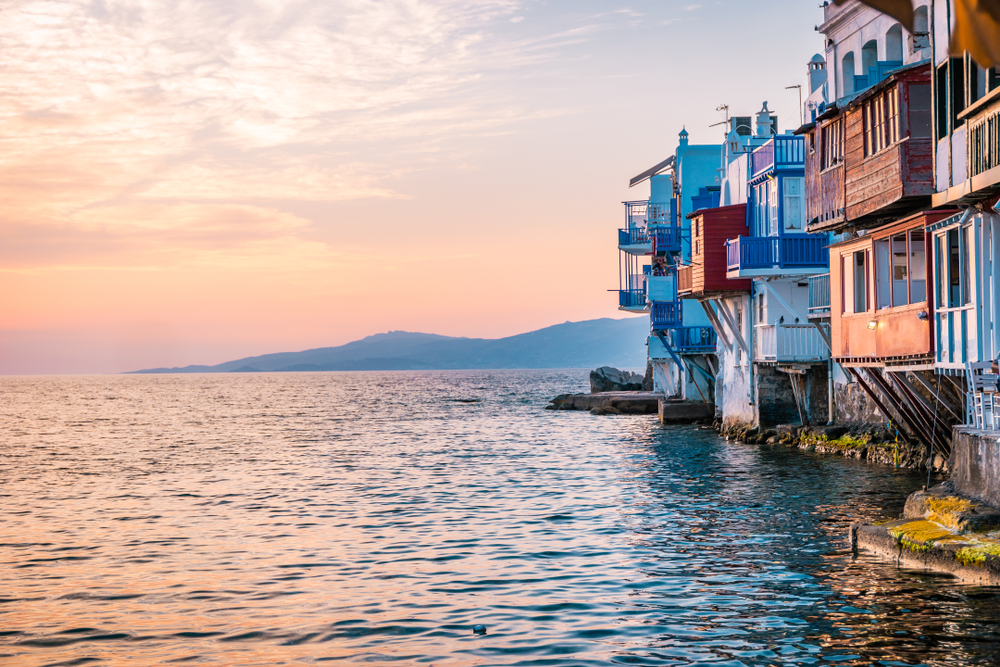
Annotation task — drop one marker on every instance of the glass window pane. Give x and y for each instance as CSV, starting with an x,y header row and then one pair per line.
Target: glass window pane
x,y
883,275
900,279
966,267
860,285
954,270
918,267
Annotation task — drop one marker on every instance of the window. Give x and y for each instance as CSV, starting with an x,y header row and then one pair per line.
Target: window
x,y
881,121
918,267
920,111
846,282
832,146
957,80
900,279
860,282
794,211
956,269
883,275
941,115
901,269
772,196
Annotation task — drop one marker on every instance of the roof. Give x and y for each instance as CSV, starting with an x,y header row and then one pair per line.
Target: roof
x,y
652,171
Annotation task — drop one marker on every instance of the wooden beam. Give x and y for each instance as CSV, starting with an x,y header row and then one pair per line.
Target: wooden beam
x,y
937,394
825,336
735,329
714,319
932,418
878,402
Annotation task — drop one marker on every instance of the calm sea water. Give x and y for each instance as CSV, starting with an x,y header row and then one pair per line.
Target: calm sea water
x,y
377,517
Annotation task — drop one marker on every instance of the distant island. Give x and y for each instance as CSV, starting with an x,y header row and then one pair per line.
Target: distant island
x,y
603,342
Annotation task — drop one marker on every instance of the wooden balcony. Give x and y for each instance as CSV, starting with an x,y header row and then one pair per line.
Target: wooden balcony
x,y
789,343
710,229
891,182
850,179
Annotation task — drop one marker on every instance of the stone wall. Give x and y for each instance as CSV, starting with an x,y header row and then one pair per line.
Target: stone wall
x,y
975,464
775,400
854,408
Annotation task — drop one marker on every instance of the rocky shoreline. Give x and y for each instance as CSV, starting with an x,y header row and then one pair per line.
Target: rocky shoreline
x,y
866,443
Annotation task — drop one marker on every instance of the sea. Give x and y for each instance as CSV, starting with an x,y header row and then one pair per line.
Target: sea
x,y
439,519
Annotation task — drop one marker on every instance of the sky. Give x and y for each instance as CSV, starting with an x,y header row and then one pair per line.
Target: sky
x,y
190,182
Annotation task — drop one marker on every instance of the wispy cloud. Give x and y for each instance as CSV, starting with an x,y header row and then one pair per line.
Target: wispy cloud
x,y
154,108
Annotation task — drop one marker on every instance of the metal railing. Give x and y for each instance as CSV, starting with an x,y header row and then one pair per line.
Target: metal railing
x,y
789,342
665,314
632,298
819,294
633,236
635,213
781,151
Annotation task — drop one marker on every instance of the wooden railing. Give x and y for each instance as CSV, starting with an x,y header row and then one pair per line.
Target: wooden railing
x,y
789,342
984,143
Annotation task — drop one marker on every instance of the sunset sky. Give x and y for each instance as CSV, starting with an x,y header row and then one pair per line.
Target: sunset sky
x,y
191,182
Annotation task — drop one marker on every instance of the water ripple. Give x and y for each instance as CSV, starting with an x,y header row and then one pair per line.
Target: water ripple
x,y
377,517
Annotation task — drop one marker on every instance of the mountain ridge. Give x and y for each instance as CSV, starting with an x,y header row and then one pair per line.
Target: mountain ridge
x,y
586,344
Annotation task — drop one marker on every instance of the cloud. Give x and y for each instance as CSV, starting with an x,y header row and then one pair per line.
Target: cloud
x,y
134,126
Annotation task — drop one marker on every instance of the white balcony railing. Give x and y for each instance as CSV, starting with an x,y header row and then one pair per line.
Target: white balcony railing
x,y
790,342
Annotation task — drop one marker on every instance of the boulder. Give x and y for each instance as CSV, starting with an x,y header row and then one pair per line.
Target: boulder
x,y
647,382
607,378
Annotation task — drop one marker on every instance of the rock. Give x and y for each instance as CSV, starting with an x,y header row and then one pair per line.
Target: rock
x,y
831,432
647,382
607,378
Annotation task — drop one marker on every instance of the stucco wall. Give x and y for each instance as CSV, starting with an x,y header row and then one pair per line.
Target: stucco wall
x,y
975,465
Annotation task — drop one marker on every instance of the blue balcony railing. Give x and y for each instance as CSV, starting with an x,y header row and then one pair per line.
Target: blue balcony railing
x,y
791,251
633,236
668,239
635,213
780,152
665,314
693,339
661,214
632,298
819,295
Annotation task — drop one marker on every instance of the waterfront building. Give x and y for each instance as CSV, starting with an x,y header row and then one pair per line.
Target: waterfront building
x,y
964,245
869,178
681,344
790,353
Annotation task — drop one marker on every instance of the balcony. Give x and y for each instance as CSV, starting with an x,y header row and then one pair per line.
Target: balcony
x,y
632,300
635,241
790,254
781,152
665,315
693,340
780,343
819,296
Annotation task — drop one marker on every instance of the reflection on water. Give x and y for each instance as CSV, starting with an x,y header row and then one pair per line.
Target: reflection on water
x,y
372,517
